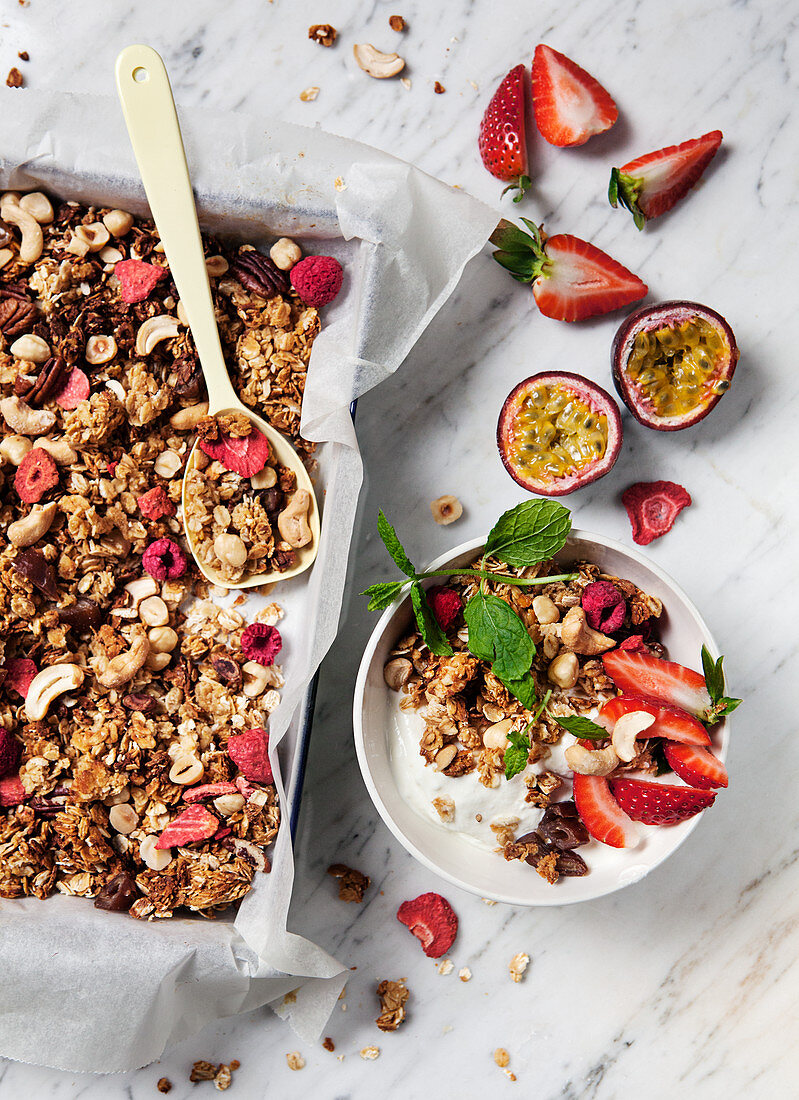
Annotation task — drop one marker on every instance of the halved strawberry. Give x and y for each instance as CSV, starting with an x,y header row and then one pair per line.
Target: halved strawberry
x,y
670,723
652,184
571,278
654,678
696,766
660,803
501,141
601,814
570,105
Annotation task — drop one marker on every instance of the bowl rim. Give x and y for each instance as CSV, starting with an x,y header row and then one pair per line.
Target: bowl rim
x,y
575,535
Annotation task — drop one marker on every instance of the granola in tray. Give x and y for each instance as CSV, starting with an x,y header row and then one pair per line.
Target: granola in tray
x,y
133,710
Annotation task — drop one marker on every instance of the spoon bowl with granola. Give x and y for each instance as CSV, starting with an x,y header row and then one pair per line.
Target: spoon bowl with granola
x,y
243,478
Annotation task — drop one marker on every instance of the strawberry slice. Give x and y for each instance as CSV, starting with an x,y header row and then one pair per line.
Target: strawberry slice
x,y
671,723
570,105
653,678
601,814
501,141
696,766
571,278
660,803
652,184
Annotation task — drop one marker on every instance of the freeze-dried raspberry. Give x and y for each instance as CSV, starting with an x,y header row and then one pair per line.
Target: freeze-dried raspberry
x,y
249,751
208,790
317,279
446,605
164,560
76,388
36,475
156,503
111,467
10,751
137,279
653,507
194,823
261,643
12,793
20,672
432,920
604,606
245,455
634,644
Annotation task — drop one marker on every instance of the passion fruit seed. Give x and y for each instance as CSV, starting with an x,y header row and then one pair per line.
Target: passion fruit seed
x,y
555,434
676,367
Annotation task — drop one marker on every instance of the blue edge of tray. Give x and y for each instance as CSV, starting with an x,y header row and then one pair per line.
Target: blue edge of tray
x,y
306,725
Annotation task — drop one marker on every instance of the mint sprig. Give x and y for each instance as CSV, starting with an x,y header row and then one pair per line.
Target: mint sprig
x,y
517,752
530,533
394,546
721,704
581,727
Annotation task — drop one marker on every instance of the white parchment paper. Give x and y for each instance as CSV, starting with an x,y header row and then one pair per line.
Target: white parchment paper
x,y
92,991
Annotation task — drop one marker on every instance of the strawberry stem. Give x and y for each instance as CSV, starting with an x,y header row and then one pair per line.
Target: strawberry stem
x,y
521,184
626,190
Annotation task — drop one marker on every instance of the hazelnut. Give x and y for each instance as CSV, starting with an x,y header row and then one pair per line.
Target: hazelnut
x,y
231,550
446,509
100,349
285,253
118,222
216,266
95,236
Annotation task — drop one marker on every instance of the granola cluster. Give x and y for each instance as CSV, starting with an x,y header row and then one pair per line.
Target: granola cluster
x,y
122,686
469,714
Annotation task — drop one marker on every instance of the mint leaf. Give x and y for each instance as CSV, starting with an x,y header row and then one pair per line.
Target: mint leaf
x,y
517,752
432,633
529,533
523,688
383,594
581,727
394,546
498,635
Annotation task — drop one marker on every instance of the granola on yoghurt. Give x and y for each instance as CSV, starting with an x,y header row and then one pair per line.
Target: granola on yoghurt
x,y
134,751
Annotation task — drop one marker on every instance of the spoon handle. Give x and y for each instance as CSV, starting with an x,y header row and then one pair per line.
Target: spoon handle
x,y
154,130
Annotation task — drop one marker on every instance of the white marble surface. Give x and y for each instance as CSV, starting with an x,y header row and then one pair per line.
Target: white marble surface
x,y
685,984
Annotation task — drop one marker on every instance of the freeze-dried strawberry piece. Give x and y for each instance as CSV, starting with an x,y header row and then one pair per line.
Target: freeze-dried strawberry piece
x,y
432,920
20,672
194,823
156,503
36,475
12,793
137,279
446,604
245,788
164,560
10,751
249,751
634,644
245,455
653,507
604,606
208,790
261,643
76,389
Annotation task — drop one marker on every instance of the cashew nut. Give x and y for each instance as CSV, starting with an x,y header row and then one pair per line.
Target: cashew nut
x,y
376,63
292,523
37,204
185,420
496,736
153,331
59,449
120,670
31,348
32,238
6,256
545,610
579,637
14,448
23,419
141,588
627,728
564,670
118,222
29,529
100,349
285,253
47,685
591,761
396,673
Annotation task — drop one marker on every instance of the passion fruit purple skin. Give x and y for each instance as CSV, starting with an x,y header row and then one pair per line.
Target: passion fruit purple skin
x,y
663,315
597,399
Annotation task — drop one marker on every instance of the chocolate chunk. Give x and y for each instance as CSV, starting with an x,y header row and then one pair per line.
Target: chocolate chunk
x,y
572,864
272,500
141,702
34,566
118,894
189,381
561,828
83,615
259,274
283,560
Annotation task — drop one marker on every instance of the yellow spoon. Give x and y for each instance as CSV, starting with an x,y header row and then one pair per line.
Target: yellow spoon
x,y
152,122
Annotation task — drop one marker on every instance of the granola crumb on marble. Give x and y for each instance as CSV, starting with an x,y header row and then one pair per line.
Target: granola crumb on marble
x,y
518,965
352,884
295,1060
393,998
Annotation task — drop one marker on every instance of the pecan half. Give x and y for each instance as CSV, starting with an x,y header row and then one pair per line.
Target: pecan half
x,y
259,274
48,382
17,313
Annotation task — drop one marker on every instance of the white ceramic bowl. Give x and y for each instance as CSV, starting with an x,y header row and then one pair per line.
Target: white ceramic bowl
x,y
455,857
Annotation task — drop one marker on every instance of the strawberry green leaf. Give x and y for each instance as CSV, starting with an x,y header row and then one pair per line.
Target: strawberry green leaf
x,y
625,190
510,238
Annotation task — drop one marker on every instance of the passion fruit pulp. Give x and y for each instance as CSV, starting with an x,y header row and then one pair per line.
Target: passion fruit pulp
x,y
557,432
672,363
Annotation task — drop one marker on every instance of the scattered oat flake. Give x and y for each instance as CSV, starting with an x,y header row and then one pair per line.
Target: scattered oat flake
x,y
501,1057
223,1078
339,184
518,965
309,94
475,85
295,1060
446,966
488,901
202,1071
370,1054
405,81
164,1084
465,974
14,79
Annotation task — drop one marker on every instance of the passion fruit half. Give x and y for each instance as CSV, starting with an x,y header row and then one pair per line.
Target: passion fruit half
x,y
557,432
672,363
